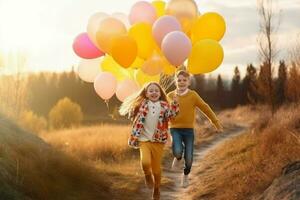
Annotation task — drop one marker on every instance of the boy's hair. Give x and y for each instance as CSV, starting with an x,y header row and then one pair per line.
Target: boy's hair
x,y
132,103
183,73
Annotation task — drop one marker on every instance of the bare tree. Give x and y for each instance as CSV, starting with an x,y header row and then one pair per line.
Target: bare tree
x,y
13,85
269,24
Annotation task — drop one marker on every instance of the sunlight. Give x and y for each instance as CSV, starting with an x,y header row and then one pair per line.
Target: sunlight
x,y
19,25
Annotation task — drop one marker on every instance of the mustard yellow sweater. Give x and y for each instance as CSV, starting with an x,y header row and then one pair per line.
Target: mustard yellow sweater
x,y
187,110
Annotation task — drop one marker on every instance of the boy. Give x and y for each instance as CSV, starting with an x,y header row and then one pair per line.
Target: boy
x,y
182,126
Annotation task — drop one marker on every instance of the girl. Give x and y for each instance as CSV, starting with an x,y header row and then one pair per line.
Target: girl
x,y
150,113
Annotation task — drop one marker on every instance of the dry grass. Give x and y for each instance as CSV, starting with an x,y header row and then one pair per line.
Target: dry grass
x,y
246,165
31,169
105,148
105,143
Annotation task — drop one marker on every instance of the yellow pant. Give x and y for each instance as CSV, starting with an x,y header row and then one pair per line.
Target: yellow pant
x,y
151,154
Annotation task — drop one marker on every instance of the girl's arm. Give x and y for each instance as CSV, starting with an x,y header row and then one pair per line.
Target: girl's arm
x,y
173,109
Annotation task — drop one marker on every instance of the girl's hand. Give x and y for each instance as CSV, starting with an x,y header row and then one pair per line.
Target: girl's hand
x,y
175,97
219,127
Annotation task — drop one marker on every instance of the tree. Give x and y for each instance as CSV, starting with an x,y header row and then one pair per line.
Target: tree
x,y
65,114
220,92
13,90
267,48
249,86
293,91
235,89
281,83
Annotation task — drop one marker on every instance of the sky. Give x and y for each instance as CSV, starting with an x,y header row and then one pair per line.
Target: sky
x,y
45,29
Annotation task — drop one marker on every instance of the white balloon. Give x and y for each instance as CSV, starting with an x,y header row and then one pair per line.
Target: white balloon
x,y
93,25
126,88
88,69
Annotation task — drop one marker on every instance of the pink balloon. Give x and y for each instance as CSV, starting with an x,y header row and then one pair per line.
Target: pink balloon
x,y
163,26
85,48
105,85
125,89
142,11
176,47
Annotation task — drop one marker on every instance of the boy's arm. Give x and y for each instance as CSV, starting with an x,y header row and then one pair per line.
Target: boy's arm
x,y
207,111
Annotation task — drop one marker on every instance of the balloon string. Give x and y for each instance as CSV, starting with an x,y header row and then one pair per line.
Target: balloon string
x,y
107,105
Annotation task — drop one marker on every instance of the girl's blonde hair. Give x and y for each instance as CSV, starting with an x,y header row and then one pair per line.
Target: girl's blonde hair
x,y
132,103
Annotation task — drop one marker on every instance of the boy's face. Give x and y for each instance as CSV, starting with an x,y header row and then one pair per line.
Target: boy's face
x,y
182,82
153,92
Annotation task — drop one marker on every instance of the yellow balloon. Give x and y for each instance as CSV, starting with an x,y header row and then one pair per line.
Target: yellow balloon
x,y
210,25
141,78
138,63
159,7
169,69
109,64
142,33
108,29
124,50
205,57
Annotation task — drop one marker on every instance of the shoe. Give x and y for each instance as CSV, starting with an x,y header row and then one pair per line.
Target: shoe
x,y
156,194
185,181
177,164
149,181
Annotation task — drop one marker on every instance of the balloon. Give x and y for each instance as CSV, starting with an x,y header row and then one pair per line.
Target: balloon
x,y
163,26
138,62
124,50
93,24
205,57
126,88
182,8
176,47
168,68
109,65
105,85
210,25
84,47
142,33
107,30
143,78
142,11
159,7
153,66
88,69
122,17
185,11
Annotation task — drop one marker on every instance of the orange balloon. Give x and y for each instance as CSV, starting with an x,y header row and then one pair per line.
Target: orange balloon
x,y
108,29
186,11
154,65
182,8
124,50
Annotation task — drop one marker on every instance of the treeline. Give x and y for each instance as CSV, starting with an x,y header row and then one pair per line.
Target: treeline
x,y
42,91
252,88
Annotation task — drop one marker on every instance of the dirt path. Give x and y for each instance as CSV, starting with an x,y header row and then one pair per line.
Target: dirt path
x,y
177,192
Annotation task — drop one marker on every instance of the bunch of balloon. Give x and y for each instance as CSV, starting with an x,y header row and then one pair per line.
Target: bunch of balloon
x,y
121,53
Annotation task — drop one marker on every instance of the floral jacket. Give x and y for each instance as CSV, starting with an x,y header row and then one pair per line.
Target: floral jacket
x,y
167,112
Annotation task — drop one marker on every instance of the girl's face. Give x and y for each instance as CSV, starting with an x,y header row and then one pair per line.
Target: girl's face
x,y
182,82
153,92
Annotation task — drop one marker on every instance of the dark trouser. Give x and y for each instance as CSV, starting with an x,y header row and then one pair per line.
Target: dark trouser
x,y
183,142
